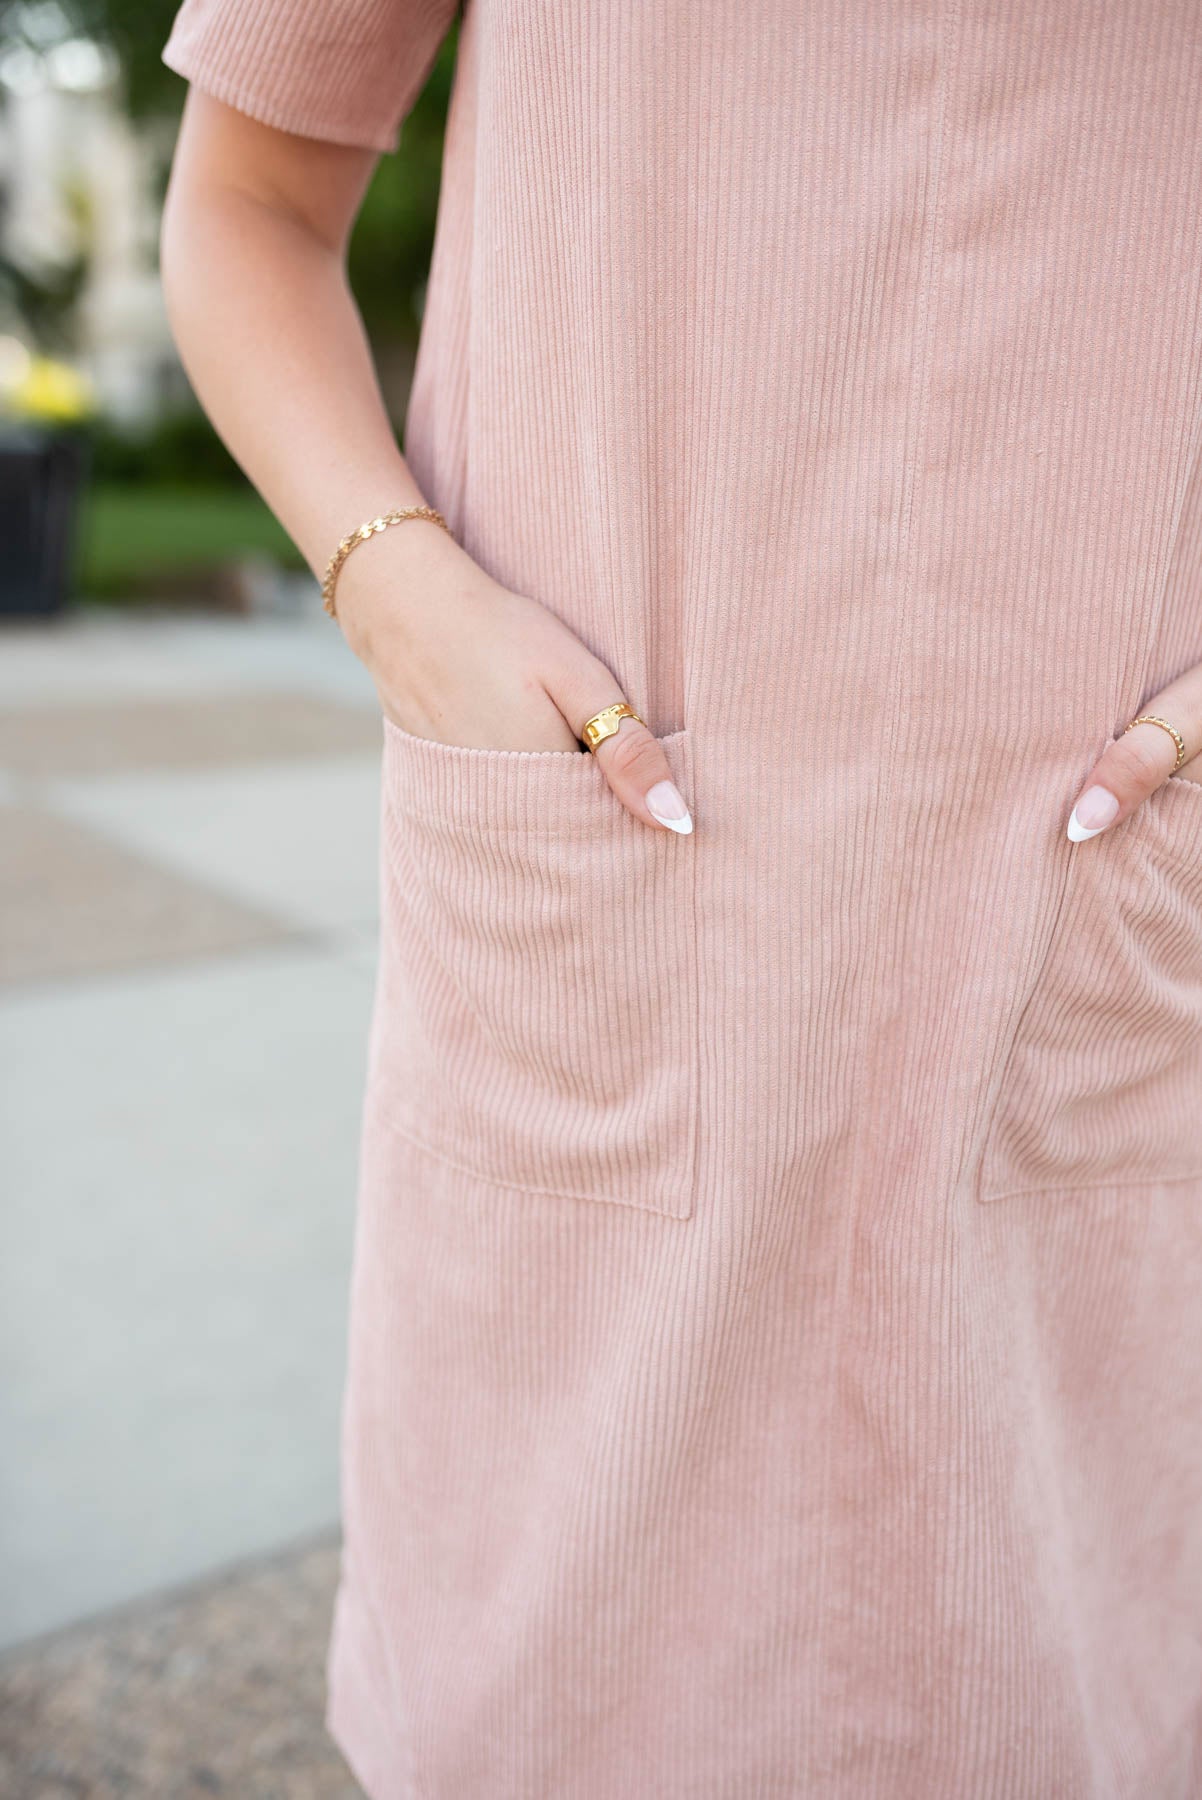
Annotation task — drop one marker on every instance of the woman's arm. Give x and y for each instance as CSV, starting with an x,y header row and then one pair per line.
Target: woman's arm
x,y
253,251
253,256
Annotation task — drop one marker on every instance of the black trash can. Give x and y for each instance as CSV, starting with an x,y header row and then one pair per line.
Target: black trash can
x,y
42,475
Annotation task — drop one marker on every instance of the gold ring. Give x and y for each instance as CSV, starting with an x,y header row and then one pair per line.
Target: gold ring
x,y
1151,719
594,731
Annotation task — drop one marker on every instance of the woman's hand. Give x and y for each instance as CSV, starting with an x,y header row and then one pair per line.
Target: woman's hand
x,y
253,256
1142,758
458,658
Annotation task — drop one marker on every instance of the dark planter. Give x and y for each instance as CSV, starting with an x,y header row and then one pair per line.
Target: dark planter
x,y
42,474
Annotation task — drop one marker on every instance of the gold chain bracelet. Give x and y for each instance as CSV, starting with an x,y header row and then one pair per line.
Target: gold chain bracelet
x,y
360,536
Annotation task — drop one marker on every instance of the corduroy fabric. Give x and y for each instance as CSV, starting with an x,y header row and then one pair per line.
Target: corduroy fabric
x,y
775,1363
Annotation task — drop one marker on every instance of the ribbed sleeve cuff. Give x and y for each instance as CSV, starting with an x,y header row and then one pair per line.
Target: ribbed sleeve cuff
x,y
345,71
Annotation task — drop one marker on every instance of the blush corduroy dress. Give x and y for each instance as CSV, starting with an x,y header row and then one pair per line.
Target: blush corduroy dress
x,y
776,1340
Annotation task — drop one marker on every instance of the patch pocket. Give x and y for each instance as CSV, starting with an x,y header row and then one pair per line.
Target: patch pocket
x,y
536,1019
1103,1082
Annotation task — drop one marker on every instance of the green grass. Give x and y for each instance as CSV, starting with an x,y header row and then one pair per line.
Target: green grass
x,y
130,535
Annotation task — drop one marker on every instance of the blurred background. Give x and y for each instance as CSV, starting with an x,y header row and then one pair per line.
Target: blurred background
x,y
189,766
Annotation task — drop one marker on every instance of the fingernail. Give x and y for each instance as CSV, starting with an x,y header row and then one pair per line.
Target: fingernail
x,y
1094,811
665,803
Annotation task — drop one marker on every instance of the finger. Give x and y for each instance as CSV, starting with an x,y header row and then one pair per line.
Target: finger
x,y
1140,759
633,762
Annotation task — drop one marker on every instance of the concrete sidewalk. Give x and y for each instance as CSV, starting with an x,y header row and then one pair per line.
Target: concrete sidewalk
x,y
215,1688
188,820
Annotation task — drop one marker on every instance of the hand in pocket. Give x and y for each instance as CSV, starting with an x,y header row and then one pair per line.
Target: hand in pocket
x,y
458,658
1142,757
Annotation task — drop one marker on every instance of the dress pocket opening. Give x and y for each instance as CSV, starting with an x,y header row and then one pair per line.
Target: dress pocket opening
x,y
527,791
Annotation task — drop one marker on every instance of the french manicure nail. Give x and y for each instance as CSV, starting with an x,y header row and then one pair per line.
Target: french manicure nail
x,y
1094,811
665,803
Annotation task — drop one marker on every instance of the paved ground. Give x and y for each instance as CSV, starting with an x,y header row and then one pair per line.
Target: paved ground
x,y
187,946
215,1690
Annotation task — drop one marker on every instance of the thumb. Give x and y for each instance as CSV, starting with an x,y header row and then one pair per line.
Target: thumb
x,y
633,762
1140,758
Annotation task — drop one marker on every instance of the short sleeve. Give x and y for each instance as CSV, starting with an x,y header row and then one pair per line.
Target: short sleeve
x,y
348,71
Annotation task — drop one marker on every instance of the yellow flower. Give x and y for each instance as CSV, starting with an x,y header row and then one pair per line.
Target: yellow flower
x,y
50,390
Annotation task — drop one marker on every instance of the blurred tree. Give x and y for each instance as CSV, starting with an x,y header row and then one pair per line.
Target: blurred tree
x,y
44,300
